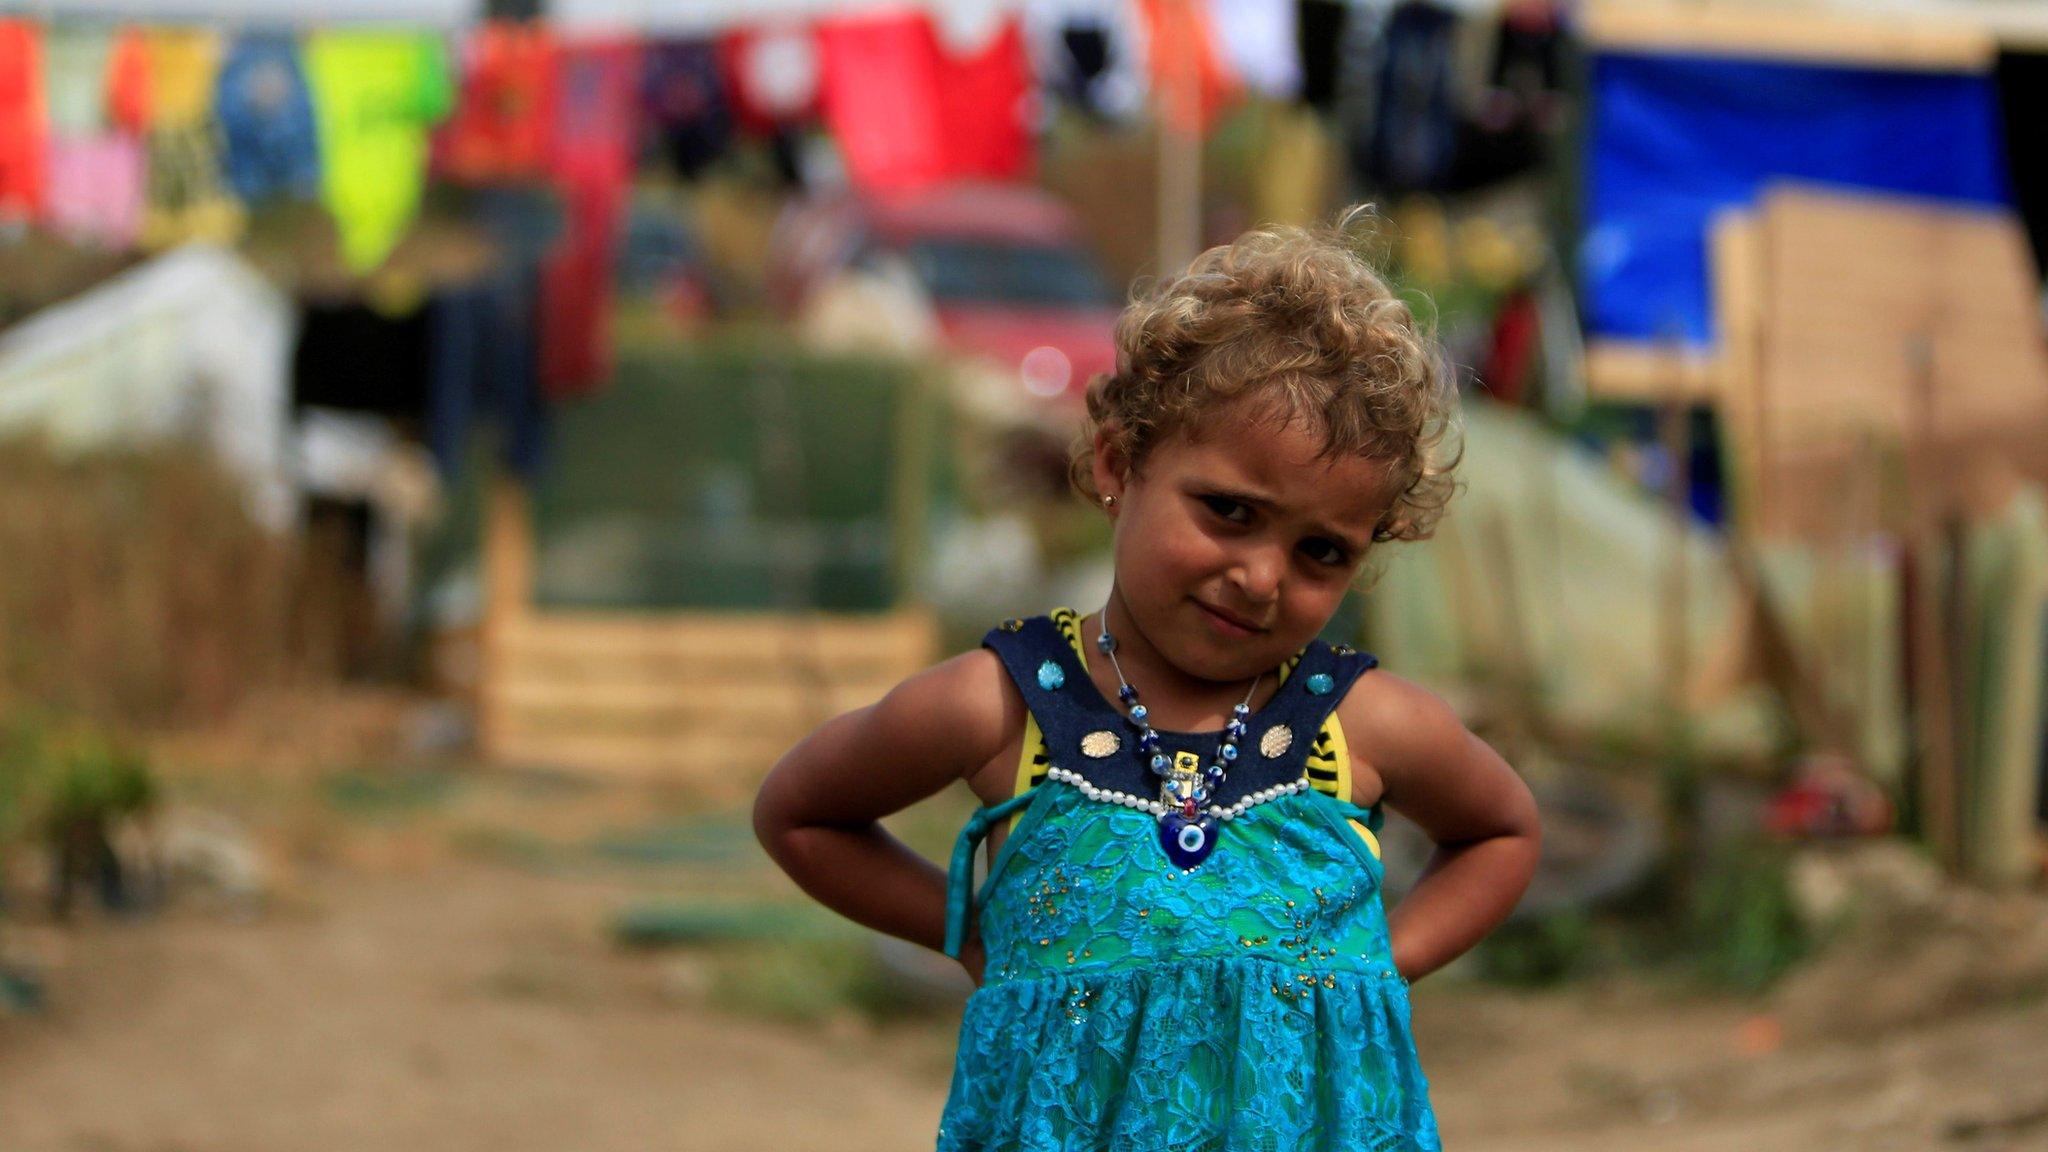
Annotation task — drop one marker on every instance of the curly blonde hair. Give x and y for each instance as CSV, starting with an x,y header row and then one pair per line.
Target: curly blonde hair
x,y
1299,319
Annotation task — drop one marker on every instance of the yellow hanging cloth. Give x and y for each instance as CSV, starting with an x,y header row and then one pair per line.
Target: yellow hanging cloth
x,y
376,95
185,197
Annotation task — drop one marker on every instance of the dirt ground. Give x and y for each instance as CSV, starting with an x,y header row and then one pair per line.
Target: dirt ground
x,y
401,990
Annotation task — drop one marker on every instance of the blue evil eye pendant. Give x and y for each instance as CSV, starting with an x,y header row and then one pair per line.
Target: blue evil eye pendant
x,y
1187,842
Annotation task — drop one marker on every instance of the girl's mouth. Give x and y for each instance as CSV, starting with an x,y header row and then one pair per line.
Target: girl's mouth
x,y
1227,624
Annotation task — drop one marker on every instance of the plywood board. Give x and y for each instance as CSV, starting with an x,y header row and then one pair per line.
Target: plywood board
x,y
1859,327
1921,42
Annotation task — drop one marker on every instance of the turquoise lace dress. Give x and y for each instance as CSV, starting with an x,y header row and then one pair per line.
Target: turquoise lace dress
x,y
1249,1004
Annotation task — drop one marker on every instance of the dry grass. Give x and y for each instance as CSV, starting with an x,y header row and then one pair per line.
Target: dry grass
x,y
135,590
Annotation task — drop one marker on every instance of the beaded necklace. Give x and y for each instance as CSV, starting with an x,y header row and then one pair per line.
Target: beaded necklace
x,y
1186,835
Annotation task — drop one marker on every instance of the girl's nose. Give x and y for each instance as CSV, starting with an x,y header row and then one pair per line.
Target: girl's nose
x,y
1257,575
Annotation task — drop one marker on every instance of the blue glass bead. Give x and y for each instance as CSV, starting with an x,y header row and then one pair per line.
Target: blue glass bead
x,y
1159,763
1320,684
1229,753
1051,675
1149,742
1201,795
1138,713
1187,842
1215,773
1235,728
1242,710
1105,643
1127,694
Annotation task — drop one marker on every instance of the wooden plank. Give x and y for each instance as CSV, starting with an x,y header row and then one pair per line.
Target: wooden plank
x,y
508,596
1861,287
728,640
694,758
1736,258
1839,256
1839,383
1917,42
724,704
689,697
597,666
1641,373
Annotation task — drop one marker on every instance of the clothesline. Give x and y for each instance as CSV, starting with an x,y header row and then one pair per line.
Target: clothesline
x,y
256,15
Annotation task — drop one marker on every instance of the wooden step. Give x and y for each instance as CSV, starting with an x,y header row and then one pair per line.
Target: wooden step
x,y
718,703
722,641
699,757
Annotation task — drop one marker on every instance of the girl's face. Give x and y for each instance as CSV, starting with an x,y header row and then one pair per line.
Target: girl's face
x,y
1235,546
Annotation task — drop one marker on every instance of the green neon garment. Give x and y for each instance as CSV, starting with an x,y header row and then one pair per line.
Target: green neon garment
x,y
376,95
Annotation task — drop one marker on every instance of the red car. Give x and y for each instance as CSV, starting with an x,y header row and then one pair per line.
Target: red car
x,y
1002,269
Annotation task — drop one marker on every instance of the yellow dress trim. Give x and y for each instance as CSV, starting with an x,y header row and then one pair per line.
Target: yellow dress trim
x,y
1341,753
1031,765
1329,762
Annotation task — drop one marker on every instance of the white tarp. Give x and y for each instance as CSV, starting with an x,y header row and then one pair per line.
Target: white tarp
x,y
195,344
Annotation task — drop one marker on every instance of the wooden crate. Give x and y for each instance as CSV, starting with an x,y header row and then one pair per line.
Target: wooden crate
x,y
702,699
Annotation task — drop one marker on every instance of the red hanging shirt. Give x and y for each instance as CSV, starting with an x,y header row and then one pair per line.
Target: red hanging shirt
x,y
24,124
984,102
592,162
881,93
907,111
503,127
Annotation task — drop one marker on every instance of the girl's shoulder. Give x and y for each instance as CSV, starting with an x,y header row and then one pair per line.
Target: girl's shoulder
x,y
969,697
1398,726
972,699
1386,705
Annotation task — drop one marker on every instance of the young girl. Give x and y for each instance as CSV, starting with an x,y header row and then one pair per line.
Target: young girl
x,y
1180,943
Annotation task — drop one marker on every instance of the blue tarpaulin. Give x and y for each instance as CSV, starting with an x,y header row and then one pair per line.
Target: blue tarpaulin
x,y
1677,138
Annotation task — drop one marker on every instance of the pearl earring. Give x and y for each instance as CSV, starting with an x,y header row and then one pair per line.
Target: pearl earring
x,y
1109,503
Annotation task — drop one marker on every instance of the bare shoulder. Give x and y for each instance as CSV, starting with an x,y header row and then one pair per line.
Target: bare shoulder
x,y
1394,719
939,726
965,703
1391,722
1428,765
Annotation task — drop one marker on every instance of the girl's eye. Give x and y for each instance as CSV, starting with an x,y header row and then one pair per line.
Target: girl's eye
x,y
1326,552
1227,508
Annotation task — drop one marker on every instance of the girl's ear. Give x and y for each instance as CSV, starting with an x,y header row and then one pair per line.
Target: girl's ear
x,y
1109,468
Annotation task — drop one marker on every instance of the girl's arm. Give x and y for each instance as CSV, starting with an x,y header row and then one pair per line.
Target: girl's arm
x,y
817,813
1468,800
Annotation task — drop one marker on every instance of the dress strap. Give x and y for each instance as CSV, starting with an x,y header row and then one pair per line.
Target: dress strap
x,y
1367,821
1372,817
960,877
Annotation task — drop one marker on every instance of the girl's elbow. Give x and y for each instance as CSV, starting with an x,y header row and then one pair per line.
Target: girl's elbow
x,y
772,817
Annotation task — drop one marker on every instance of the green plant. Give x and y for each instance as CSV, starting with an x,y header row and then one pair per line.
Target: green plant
x,y
1743,924
67,784
1538,952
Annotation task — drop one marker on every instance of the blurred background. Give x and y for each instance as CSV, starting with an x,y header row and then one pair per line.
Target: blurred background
x,y
449,449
